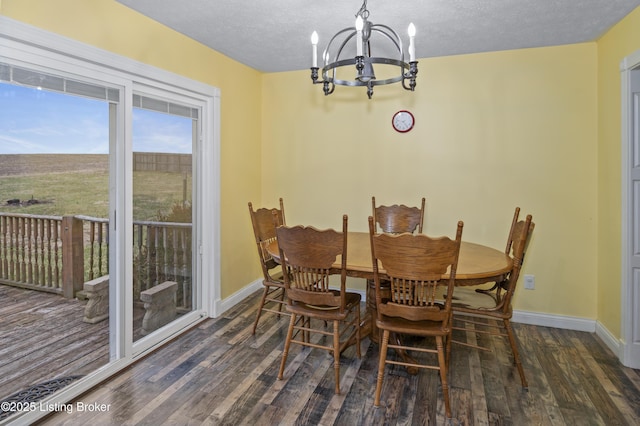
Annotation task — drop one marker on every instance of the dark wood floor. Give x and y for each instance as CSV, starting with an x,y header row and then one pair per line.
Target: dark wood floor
x,y
219,374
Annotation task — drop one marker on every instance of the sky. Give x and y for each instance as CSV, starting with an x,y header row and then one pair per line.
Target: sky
x,y
36,121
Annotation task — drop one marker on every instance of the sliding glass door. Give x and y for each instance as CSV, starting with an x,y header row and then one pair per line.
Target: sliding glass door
x,y
103,194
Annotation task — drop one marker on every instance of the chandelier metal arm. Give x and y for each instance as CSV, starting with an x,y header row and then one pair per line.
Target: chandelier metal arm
x,y
373,60
411,76
325,53
395,39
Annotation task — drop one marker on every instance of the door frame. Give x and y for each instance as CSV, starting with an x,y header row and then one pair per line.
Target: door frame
x,y
32,47
629,353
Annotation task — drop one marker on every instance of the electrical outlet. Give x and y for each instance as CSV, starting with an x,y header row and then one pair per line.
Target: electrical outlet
x,y
529,282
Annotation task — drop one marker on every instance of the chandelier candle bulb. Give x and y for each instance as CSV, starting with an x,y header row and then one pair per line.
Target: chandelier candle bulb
x,y
412,47
359,25
314,42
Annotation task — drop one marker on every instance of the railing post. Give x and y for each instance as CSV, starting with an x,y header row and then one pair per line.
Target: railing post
x,y
72,256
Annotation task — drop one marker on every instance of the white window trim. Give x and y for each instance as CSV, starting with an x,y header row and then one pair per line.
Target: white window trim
x,y
28,46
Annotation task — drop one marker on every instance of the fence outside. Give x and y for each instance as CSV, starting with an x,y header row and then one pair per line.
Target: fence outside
x,y
58,254
162,162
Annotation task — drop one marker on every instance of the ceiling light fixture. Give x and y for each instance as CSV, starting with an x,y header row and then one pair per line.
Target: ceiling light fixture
x,y
364,32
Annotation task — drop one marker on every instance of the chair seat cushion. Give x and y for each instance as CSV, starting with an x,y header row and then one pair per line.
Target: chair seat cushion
x,y
418,328
325,311
274,283
469,300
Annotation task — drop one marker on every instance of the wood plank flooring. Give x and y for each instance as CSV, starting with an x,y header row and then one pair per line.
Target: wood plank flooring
x,y
219,374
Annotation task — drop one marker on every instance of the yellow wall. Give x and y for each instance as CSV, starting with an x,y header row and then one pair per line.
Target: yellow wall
x,y
537,128
493,131
622,40
109,25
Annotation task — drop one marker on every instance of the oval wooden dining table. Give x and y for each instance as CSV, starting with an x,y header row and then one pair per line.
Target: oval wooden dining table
x,y
477,264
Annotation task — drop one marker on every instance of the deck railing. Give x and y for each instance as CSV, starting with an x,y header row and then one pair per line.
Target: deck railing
x,y
162,252
59,253
31,251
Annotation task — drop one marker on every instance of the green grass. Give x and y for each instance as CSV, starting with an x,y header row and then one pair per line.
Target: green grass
x,y
154,193
86,193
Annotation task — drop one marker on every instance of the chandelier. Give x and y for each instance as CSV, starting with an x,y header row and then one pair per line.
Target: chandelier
x,y
361,66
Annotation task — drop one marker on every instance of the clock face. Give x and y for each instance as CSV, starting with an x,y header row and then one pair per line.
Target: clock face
x,y
403,121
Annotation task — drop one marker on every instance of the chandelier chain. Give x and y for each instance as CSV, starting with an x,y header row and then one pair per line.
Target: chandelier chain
x,y
364,12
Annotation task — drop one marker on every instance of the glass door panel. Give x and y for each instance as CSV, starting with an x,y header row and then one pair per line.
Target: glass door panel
x,y
54,217
163,184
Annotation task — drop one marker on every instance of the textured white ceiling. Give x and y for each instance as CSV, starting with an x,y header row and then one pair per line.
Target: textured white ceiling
x,y
274,35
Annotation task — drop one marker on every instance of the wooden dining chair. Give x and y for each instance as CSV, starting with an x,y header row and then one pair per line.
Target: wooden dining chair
x,y
264,230
394,219
414,266
508,250
473,307
309,255
397,219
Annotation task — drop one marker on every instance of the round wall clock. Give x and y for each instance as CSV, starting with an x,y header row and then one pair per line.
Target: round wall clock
x,y
403,121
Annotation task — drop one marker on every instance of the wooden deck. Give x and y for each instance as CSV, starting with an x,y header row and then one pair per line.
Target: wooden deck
x,y
43,337
219,374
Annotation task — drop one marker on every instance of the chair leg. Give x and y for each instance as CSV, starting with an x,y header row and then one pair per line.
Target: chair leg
x,y
282,302
443,375
262,302
358,332
336,354
447,341
516,354
287,344
447,358
381,364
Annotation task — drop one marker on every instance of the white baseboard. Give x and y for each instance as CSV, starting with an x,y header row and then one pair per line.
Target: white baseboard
x,y
225,304
523,317
556,321
609,339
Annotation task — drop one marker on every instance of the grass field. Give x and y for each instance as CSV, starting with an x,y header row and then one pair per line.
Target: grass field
x,y
61,184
